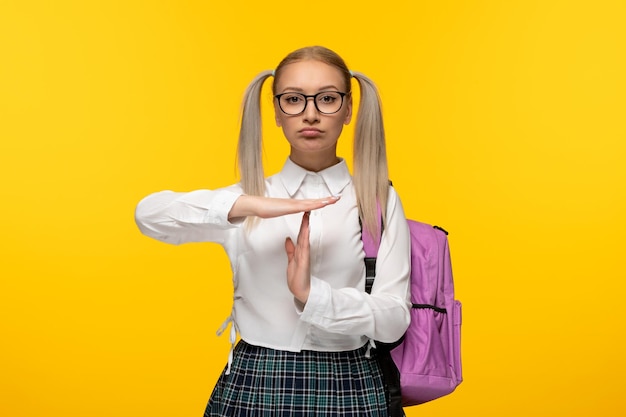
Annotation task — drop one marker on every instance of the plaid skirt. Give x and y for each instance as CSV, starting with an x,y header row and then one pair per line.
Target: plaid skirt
x,y
273,383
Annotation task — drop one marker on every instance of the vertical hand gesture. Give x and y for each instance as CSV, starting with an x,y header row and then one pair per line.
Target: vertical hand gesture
x,y
298,266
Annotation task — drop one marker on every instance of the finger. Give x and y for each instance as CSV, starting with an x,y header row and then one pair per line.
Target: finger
x,y
290,248
313,204
323,202
303,235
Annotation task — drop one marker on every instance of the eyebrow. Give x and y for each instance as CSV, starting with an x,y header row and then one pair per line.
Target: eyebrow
x,y
324,88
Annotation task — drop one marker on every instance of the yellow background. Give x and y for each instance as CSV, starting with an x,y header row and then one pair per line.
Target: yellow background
x,y
505,124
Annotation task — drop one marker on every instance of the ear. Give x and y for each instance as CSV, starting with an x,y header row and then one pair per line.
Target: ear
x,y
348,117
277,114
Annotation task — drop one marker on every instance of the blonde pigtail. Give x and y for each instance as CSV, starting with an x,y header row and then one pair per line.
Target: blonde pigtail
x,y
371,175
250,146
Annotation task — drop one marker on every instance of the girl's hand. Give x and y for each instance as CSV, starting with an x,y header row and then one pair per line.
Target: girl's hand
x,y
298,262
265,207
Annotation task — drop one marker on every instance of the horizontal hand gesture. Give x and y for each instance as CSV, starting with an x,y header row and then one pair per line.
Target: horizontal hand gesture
x,y
266,207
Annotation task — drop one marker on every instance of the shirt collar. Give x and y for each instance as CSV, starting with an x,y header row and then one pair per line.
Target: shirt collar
x,y
336,177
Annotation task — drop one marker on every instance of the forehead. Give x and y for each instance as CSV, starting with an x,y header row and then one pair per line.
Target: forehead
x,y
309,76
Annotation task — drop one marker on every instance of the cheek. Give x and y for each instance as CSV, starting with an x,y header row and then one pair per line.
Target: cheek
x,y
284,122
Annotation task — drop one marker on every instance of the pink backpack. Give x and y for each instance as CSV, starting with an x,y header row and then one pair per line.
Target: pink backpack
x,y
428,357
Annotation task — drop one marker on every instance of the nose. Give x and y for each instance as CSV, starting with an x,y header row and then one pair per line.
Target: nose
x,y
311,114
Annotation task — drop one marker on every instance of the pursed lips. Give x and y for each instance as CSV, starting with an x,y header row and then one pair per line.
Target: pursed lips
x,y
310,132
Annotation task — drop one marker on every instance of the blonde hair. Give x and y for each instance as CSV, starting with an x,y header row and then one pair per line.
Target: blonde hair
x,y
370,174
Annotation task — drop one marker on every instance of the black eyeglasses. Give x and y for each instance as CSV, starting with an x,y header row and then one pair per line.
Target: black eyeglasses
x,y
326,102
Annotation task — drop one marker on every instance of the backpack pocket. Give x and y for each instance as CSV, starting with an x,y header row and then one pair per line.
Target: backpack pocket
x,y
426,356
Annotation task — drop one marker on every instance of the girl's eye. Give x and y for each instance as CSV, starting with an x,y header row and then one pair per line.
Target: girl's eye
x,y
327,99
292,99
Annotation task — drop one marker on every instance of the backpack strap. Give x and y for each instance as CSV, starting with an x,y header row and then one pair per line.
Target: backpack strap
x,y
370,247
389,370
370,274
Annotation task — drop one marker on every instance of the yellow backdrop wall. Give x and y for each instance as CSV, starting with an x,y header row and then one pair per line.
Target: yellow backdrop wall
x,y
505,124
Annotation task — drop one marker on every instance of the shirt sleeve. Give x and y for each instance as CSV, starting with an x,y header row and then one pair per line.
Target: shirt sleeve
x,y
196,216
384,314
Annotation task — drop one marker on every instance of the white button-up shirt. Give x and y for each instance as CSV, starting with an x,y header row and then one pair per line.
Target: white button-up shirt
x,y
339,314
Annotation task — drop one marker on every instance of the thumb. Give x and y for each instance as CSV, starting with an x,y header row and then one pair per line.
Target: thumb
x,y
290,248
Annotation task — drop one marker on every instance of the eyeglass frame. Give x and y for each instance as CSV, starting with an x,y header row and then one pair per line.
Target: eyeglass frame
x,y
306,101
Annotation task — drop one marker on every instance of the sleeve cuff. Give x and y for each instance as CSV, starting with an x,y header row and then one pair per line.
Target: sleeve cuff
x,y
317,303
218,212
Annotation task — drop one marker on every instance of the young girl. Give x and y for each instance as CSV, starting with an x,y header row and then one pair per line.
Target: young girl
x,y
294,243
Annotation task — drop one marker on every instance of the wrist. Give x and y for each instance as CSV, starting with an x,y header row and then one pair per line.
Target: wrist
x,y
303,296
